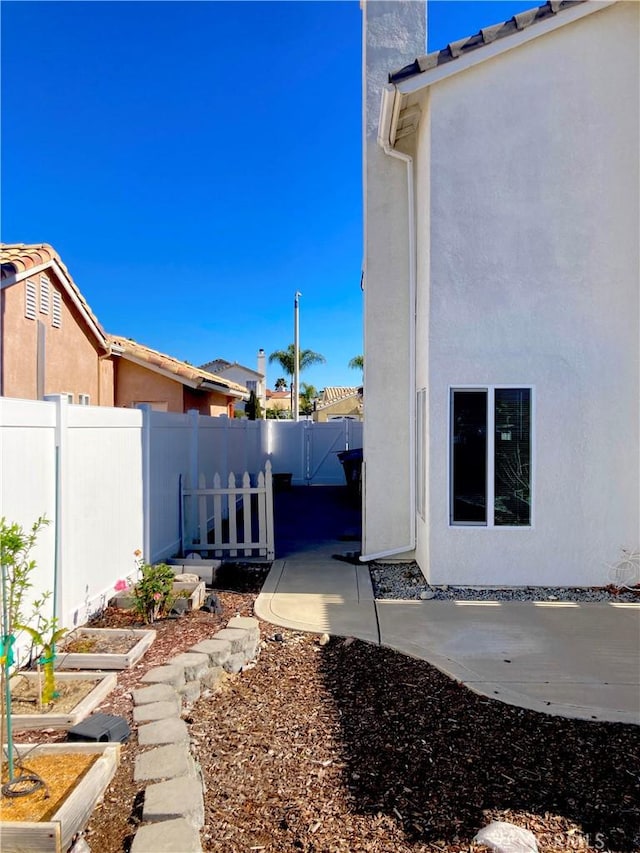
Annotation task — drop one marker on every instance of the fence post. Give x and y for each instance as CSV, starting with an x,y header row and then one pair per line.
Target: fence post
x,y
61,403
146,410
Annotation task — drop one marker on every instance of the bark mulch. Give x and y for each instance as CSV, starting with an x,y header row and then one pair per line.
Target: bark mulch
x,y
348,747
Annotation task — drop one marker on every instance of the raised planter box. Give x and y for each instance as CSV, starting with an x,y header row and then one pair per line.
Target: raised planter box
x,y
204,568
55,834
196,593
104,684
141,638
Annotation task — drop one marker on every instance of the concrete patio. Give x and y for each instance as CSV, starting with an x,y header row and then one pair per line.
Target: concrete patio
x,y
573,660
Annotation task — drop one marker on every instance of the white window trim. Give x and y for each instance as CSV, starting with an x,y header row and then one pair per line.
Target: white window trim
x,y
84,399
421,451
68,395
490,389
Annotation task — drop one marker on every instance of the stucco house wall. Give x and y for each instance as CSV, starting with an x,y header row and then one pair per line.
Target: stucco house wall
x,y
137,384
73,361
533,275
393,34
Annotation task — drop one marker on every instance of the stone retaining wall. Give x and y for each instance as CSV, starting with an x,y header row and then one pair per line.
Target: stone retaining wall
x,y
173,811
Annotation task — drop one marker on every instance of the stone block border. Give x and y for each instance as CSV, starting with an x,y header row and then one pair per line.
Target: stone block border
x,y
173,812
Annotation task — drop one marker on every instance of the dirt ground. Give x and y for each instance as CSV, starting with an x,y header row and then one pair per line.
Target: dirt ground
x,y
348,747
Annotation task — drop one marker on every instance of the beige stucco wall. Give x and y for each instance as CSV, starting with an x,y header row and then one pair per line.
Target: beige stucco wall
x,y
350,406
72,353
394,33
137,384
528,225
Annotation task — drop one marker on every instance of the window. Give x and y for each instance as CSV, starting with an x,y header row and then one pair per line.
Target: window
x,y
490,457
84,399
68,395
44,294
252,385
30,300
56,311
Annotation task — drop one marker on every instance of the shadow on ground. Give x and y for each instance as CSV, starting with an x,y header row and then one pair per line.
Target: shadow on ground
x,y
306,517
444,761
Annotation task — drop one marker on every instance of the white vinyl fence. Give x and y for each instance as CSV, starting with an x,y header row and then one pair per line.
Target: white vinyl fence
x,y
109,481
192,444
81,467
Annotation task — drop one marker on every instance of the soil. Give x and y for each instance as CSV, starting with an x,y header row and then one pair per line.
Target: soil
x,y
25,695
348,747
102,644
60,774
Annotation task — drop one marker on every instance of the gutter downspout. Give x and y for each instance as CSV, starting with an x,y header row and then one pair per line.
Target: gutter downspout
x,y
389,113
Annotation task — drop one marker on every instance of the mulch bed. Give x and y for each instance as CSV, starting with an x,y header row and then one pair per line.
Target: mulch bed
x,y
349,747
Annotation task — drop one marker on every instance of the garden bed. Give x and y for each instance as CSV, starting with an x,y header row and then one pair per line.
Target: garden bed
x,y
75,776
195,594
80,693
103,648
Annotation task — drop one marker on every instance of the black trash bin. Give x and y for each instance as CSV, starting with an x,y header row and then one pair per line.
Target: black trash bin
x,y
351,461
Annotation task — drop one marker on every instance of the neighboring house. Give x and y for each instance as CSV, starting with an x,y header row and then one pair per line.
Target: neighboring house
x,y
50,340
502,303
336,403
253,380
280,401
52,343
166,384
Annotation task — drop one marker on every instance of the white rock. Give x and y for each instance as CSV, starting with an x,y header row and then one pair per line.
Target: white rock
x,y
324,639
505,837
427,595
187,577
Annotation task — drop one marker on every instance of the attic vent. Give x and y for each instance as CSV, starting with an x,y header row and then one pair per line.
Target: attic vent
x,y
30,300
44,294
56,313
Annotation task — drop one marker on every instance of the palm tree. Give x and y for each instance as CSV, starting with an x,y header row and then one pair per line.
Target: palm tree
x,y
357,362
287,359
307,395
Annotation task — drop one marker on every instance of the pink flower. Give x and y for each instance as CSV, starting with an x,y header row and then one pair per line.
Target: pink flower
x,y
120,585
157,596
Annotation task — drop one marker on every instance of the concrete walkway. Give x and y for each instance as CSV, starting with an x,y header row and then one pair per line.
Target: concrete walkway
x,y
573,660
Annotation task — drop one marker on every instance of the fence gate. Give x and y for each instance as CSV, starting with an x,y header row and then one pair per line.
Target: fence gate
x,y
233,521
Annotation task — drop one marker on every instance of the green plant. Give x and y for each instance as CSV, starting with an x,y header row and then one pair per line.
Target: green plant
x,y
357,362
287,361
308,393
16,545
153,593
253,408
44,637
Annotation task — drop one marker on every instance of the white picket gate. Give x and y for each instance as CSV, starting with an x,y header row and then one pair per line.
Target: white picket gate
x,y
227,520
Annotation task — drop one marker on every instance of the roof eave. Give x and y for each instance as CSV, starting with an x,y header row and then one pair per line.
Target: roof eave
x,y
155,368
207,385
422,80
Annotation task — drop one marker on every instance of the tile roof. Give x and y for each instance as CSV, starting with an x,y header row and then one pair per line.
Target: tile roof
x,y
466,45
220,364
334,394
18,258
180,369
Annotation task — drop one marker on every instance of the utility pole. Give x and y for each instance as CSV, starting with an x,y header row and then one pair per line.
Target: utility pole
x,y
296,356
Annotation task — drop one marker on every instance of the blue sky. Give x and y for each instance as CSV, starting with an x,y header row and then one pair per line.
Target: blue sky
x,y
196,163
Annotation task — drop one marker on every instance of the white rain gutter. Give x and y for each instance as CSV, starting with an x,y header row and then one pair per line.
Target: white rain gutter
x,y
389,113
